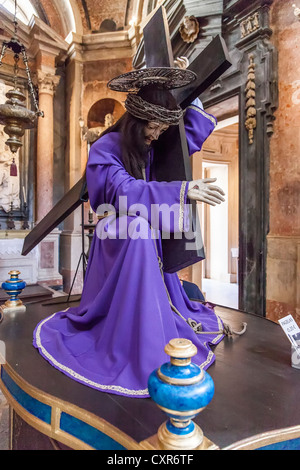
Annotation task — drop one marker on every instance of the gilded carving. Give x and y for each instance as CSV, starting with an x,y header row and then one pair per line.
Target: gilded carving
x,y
189,29
250,91
249,25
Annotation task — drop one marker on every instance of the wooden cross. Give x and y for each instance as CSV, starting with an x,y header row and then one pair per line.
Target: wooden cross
x,y
175,165
172,158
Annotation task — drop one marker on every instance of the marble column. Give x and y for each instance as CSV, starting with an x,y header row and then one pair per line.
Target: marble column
x,y
48,249
47,83
71,237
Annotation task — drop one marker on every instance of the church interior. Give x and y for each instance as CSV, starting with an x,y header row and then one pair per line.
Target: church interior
x,y
72,49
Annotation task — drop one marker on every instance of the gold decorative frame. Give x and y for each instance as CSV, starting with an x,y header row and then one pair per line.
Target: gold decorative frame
x,y
265,439
58,406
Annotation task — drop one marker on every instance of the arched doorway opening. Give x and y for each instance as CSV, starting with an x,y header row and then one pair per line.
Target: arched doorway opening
x,y
97,114
102,114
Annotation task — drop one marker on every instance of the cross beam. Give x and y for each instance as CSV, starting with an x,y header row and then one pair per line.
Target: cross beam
x,y
172,161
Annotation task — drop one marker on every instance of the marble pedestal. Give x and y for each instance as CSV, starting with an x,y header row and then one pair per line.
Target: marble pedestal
x,y
48,260
40,266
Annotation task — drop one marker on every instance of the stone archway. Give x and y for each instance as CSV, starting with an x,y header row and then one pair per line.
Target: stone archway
x,y
102,114
100,109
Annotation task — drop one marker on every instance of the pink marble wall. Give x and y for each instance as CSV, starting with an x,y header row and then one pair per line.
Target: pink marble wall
x,y
284,237
285,143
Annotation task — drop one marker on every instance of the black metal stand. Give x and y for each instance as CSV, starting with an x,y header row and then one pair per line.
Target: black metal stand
x,y
83,257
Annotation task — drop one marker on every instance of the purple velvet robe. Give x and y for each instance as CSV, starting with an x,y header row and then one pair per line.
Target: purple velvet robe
x,y
116,337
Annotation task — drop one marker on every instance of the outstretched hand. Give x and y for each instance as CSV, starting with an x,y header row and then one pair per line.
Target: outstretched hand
x,y
181,62
202,190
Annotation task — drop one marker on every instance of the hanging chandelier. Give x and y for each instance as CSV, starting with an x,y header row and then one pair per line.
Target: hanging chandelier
x,y
14,115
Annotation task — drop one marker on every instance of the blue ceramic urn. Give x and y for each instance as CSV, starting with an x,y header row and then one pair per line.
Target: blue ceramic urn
x,y
13,287
181,389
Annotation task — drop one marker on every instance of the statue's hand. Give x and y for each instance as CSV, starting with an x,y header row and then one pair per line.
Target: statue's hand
x,y
181,62
202,190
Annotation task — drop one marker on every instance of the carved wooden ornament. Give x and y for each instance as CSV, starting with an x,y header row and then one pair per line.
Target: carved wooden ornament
x,y
250,122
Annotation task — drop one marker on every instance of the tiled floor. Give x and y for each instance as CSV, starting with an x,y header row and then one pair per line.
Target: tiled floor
x,y
220,293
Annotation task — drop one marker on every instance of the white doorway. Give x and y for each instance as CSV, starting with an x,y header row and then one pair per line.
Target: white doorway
x,y
215,223
220,222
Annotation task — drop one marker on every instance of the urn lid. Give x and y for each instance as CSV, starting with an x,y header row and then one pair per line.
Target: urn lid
x,y
180,348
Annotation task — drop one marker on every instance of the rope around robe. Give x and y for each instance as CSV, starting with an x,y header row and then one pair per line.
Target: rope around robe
x,y
227,330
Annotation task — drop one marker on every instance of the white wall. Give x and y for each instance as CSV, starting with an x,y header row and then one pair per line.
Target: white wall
x,y
219,226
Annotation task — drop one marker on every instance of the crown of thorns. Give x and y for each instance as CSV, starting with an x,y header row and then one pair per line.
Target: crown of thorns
x,y
142,109
166,77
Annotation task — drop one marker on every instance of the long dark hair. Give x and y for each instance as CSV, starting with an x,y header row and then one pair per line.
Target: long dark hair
x,y
134,149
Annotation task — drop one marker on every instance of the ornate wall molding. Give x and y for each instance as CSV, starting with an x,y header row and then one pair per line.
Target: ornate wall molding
x,y
250,122
250,24
208,14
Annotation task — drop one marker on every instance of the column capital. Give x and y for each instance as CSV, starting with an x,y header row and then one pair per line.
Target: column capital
x,y
47,82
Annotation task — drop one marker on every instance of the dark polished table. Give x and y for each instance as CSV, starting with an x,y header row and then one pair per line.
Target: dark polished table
x,y
255,405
